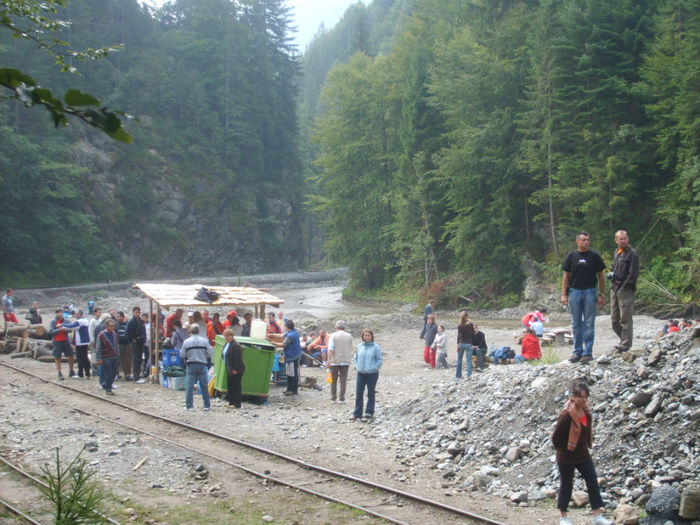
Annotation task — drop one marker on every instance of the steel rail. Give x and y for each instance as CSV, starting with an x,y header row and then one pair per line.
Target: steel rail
x,y
37,481
269,452
222,460
18,512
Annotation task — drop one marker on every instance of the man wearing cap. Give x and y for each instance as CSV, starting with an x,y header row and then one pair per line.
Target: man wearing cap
x,y
81,338
228,323
625,271
196,353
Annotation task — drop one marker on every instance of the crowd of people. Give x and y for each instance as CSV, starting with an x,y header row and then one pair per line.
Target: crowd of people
x,y
113,347
110,346
471,342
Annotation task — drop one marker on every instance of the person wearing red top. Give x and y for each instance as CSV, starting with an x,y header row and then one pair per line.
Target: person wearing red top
x,y
61,346
214,327
169,327
319,347
673,327
273,326
531,350
572,438
531,317
228,323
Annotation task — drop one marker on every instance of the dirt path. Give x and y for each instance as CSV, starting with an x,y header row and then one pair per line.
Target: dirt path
x,y
308,426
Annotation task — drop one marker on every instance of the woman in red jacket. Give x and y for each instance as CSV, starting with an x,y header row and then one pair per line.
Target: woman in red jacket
x,y
572,437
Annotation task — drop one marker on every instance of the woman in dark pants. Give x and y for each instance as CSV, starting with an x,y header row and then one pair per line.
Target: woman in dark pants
x,y
235,367
368,360
572,437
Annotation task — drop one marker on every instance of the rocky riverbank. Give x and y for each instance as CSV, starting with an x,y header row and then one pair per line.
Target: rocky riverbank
x,y
481,443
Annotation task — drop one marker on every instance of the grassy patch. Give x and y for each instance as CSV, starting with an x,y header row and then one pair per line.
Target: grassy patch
x,y
550,356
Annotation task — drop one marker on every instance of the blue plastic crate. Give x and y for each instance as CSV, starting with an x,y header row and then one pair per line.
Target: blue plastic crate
x,y
171,357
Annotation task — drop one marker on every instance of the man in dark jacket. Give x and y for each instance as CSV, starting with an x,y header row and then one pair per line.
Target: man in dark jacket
x,y
625,271
235,368
136,339
107,355
124,347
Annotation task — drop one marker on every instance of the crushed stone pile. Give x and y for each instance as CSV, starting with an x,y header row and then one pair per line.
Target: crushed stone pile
x,y
492,432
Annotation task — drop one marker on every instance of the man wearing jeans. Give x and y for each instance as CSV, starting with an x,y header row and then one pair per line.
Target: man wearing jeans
x,y
196,353
583,269
107,356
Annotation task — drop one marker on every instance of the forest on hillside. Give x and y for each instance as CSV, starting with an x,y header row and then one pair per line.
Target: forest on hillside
x,y
445,145
491,132
210,184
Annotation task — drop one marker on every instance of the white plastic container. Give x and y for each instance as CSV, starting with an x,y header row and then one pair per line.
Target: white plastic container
x,y
258,329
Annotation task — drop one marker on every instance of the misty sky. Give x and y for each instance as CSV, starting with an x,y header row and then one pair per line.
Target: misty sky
x,y
308,16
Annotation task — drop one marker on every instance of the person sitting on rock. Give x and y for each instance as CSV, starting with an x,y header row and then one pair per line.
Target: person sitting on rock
x,y
480,348
538,327
319,348
531,350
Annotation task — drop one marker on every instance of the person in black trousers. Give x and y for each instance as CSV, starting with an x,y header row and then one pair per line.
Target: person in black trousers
x,y
572,438
235,367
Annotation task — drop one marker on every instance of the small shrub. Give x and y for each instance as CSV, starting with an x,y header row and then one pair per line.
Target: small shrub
x,y
73,492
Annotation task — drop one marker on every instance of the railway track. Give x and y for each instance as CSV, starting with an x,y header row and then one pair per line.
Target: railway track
x,y
381,501
36,481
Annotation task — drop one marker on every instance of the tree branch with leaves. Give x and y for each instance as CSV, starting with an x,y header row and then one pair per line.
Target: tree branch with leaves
x,y
32,20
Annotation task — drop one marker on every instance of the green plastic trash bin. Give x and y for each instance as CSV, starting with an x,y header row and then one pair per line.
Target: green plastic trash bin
x,y
258,355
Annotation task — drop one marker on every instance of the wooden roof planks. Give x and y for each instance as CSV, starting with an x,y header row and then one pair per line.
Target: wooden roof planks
x,y
183,295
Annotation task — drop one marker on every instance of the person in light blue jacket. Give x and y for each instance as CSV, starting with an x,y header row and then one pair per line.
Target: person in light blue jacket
x,y
367,361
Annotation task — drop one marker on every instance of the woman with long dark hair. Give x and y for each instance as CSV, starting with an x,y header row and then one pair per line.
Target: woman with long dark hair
x,y
465,343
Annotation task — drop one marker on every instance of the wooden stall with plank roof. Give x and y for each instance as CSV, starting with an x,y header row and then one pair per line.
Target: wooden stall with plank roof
x,y
167,296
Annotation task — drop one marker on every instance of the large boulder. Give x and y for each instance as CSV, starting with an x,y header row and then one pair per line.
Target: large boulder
x,y
663,505
690,503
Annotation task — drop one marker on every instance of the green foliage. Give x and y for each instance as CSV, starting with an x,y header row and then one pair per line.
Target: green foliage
x,y
73,491
357,167
30,19
75,104
47,234
215,159
508,127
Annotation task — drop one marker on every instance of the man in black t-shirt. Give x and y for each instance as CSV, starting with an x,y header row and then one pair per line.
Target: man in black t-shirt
x,y
583,269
